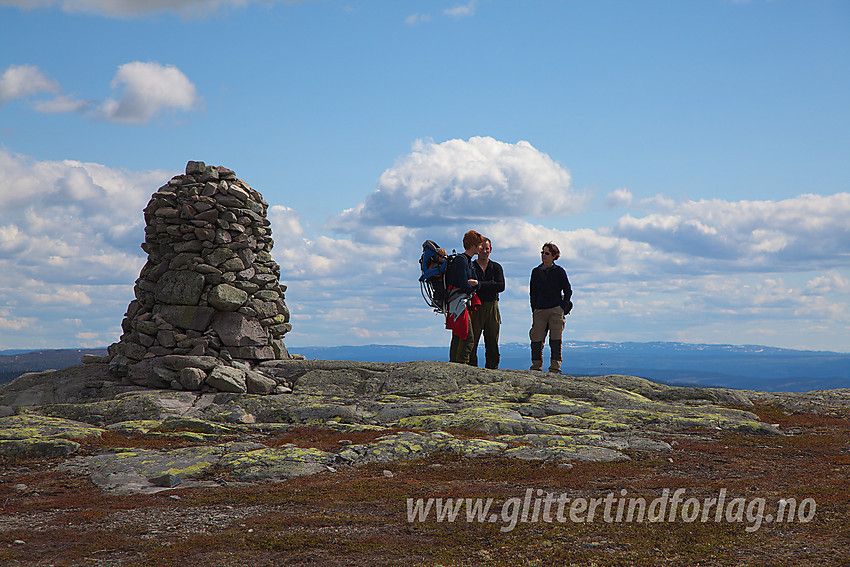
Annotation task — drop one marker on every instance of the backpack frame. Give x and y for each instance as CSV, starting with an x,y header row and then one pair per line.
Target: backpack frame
x,y
434,263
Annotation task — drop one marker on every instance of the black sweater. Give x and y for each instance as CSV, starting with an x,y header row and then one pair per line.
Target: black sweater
x,y
491,280
549,286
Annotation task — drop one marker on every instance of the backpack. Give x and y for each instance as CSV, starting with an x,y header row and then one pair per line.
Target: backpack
x,y
434,263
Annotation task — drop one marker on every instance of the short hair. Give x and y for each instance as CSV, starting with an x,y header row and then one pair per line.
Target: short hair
x,y
556,252
471,239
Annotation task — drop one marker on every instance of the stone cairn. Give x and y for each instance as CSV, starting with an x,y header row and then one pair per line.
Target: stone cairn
x,y
209,312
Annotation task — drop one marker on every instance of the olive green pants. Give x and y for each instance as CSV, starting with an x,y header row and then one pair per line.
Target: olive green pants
x,y
461,349
486,320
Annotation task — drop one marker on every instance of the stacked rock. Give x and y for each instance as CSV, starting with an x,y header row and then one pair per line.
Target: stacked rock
x,y
210,287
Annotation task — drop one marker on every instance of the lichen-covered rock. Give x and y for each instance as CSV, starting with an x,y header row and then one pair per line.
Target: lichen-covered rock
x,y
408,410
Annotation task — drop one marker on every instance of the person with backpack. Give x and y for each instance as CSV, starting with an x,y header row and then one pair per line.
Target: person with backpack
x,y
462,282
550,294
486,318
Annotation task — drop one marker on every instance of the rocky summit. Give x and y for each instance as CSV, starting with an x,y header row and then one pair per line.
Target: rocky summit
x,y
381,412
209,289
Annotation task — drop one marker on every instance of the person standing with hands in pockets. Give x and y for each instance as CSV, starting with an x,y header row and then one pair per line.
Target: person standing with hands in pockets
x,y
550,294
486,318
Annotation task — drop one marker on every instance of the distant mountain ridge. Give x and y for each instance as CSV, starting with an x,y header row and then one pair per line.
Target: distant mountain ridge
x,y
750,367
13,363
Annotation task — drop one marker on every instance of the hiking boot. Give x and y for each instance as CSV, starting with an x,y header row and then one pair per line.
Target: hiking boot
x,y
555,356
536,355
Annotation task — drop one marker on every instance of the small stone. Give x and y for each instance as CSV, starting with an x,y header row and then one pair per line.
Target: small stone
x,y
227,379
258,383
192,378
193,167
167,480
225,297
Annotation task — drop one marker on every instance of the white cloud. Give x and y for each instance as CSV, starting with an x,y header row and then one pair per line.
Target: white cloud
x,y
147,90
287,223
14,323
462,10
72,221
63,104
24,81
830,283
805,232
416,19
467,180
70,235
621,197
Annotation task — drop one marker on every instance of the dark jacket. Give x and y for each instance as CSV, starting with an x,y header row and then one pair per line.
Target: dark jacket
x,y
460,272
491,280
549,287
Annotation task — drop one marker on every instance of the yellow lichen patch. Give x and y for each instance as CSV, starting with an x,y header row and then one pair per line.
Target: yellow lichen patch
x,y
621,396
473,447
136,427
353,427
29,426
30,447
268,463
492,419
553,440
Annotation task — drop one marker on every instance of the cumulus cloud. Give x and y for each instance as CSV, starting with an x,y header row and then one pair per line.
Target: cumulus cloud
x,y
147,90
72,221
69,236
69,247
809,231
24,81
474,180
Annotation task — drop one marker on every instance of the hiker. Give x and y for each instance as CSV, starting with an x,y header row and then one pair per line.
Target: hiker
x,y
461,277
550,293
486,318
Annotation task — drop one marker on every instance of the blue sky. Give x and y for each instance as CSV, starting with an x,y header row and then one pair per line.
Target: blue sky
x,y
691,159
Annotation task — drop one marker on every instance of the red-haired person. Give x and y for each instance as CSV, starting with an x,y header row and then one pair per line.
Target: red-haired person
x,y
462,284
550,293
